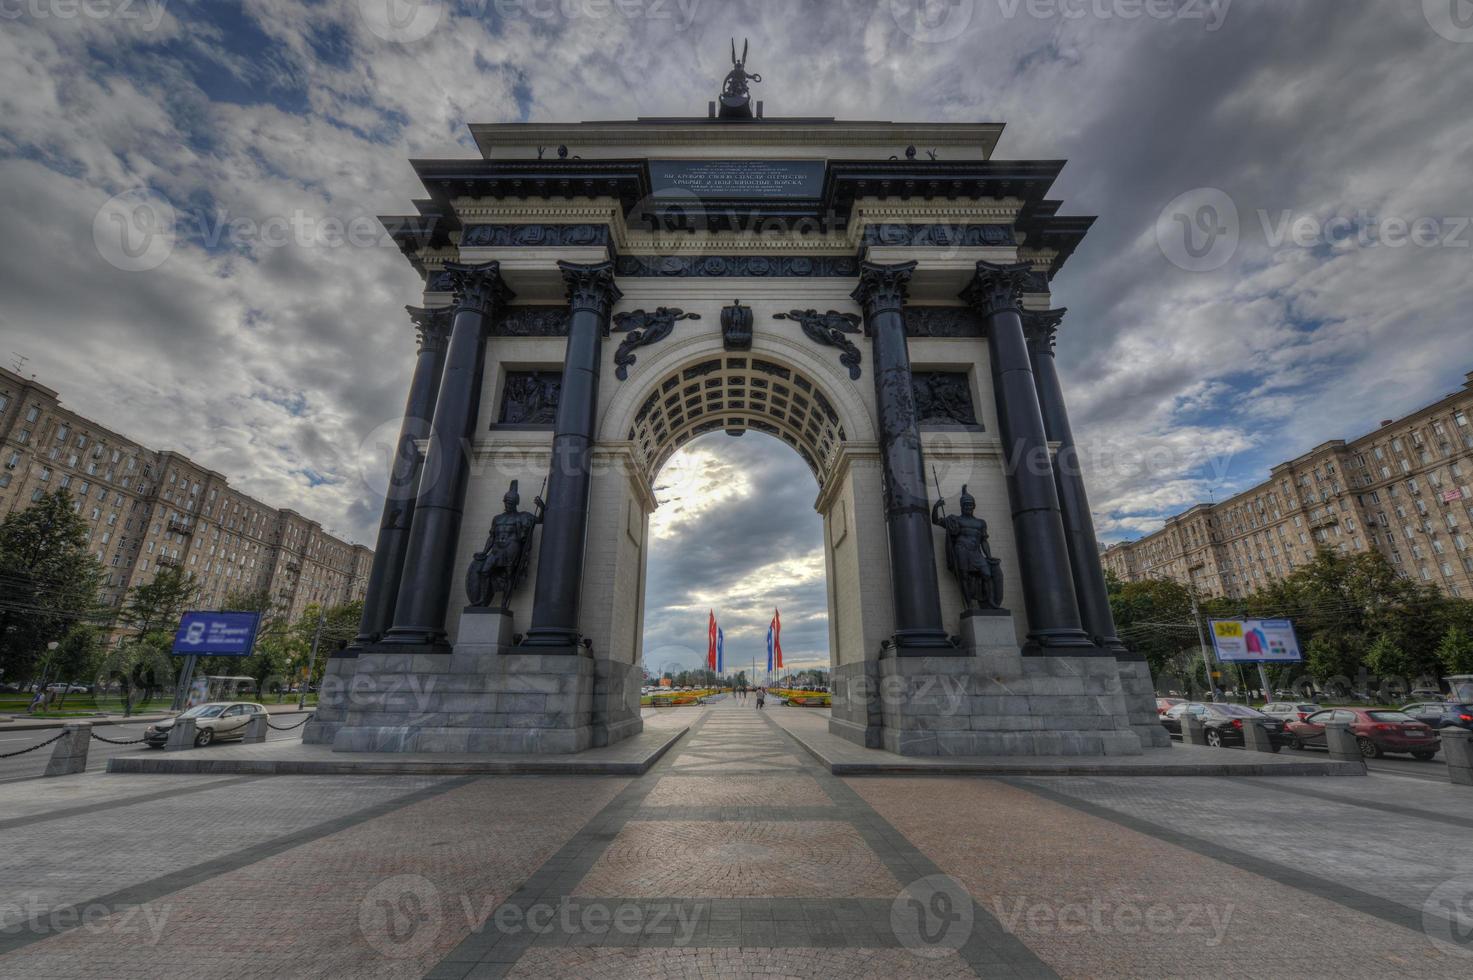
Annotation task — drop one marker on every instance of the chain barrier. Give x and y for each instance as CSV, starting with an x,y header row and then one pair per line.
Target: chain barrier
x,y
113,741
287,728
54,738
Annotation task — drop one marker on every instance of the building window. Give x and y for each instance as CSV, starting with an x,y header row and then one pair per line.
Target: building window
x,y
33,413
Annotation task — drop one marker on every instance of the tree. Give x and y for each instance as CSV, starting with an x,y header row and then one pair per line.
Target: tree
x,y
1455,651
156,607
1333,657
140,666
1154,617
1386,660
48,580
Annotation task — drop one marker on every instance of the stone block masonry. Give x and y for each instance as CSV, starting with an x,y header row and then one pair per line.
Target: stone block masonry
x,y
486,696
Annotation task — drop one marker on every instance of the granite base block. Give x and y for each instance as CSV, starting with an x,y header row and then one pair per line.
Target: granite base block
x,y
485,696
989,701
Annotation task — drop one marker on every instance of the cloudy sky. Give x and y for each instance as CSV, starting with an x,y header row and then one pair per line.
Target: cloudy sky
x,y
1282,256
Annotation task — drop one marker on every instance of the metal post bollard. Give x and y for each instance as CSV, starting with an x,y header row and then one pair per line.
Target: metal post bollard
x,y
181,736
70,755
255,731
1192,730
1457,749
1342,744
1255,737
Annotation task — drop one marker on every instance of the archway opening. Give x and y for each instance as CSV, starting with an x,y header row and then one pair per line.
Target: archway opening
x,y
736,534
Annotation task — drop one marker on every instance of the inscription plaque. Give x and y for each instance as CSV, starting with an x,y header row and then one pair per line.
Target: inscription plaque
x,y
737,179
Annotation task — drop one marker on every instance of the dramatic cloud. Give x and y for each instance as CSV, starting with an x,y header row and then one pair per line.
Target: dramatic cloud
x,y
1281,257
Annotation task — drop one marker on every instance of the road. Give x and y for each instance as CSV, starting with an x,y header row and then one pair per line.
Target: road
x,y
33,764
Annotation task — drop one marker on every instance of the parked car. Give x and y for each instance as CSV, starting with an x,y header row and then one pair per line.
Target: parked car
x,y
1376,730
1442,714
213,721
1164,704
1287,711
1426,694
1224,722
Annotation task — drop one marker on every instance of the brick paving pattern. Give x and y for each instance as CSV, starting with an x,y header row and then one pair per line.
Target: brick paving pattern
x,y
773,790
736,855
702,964
1094,899
807,859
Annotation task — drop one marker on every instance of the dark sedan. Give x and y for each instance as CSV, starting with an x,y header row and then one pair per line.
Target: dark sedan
x,y
1224,723
1376,730
1442,714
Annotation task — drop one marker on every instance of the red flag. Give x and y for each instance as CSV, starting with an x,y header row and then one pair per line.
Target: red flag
x,y
777,633
711,644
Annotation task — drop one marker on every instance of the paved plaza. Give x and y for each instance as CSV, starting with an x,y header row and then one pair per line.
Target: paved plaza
x,y
737,854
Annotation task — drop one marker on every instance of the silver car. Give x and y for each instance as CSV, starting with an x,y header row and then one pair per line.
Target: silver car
x,y
213,721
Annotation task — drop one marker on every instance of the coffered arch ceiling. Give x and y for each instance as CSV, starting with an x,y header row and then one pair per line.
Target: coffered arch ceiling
x,y
735,392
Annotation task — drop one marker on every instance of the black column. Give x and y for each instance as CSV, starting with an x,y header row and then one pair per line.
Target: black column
x,y
591,297
1054,625
424,591
918,631
433,328
1079,526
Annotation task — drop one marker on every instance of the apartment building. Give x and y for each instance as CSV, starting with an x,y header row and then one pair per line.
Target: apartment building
x,y
148,510
1405,490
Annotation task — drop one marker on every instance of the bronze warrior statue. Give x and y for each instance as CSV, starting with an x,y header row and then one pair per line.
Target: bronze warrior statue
x,y
968,556
499,568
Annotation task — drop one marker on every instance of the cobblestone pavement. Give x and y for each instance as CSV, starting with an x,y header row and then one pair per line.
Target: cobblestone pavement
x,y
736,855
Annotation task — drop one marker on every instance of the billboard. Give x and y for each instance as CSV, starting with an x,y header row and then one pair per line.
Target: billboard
x,y
217,634
1261,641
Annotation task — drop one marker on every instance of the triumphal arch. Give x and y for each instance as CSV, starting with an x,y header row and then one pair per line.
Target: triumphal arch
x,y
874,294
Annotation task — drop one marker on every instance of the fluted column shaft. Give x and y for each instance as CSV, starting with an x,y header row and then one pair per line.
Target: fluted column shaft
x,y
424,592
1079,525
591,298
384,576
918,631
1054,624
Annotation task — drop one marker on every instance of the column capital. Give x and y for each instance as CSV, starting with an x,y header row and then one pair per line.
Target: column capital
x,y
997,288
591,287
478,288
1041,328
431,326
882,287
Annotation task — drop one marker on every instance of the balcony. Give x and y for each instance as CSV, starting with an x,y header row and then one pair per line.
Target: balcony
x,y
181,527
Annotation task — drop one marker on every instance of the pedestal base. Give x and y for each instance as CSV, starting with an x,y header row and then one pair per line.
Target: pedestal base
x,y
993,701
487,696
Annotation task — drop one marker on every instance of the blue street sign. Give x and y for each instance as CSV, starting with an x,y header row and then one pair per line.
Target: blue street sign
x,y
217,634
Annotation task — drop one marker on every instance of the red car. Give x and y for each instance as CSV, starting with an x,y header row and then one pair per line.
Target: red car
x,y
1376,730
1164,705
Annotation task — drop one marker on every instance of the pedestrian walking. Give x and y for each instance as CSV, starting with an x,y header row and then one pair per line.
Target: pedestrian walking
x,y
37,701
761,697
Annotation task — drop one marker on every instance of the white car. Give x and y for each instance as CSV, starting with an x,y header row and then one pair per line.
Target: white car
x,y
213,721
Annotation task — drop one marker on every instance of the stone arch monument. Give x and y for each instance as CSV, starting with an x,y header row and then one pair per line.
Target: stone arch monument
x,y
587,312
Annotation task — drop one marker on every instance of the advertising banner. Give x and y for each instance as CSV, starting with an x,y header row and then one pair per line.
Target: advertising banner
x,y
1263,641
